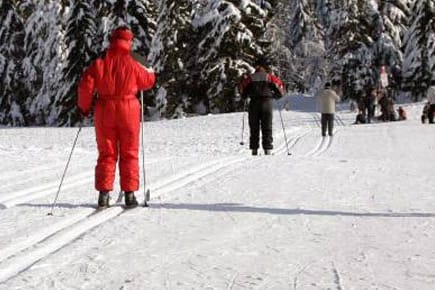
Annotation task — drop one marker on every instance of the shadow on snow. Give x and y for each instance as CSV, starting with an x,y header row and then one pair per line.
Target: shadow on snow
x,y
235,207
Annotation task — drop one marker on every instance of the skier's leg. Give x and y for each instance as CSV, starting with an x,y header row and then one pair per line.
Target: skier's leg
x,y
128,129
323,122
254,126
430,113
106,136
331,118
266,125
369,113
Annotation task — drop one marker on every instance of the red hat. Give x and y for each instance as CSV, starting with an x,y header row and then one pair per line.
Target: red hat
x,y
121,33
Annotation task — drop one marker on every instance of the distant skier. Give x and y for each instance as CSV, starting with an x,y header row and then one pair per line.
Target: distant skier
x,y
360,118
431,100
115,79
425,112
369,102
261,87
326,101
401,113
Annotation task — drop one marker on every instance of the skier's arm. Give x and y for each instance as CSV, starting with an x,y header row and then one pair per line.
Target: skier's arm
x,y
337,97
276,86
146,78
86,90
245,87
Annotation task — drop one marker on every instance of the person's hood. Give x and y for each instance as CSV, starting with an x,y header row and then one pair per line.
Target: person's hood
x,y
121,39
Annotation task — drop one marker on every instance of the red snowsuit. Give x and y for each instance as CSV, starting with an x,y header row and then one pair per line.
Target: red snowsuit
x,y
116,78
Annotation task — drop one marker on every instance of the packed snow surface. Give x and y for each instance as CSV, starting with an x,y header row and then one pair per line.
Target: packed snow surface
x,y
356,211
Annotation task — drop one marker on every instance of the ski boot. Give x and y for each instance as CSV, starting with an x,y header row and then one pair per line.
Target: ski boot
x,y
254,152
267,151
130,199
103,200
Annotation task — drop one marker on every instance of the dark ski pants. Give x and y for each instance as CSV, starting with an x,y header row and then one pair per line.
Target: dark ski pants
x,y
260,116
430,113
327,121
370,109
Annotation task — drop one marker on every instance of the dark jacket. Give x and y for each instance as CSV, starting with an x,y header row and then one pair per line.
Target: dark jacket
x,y
262,85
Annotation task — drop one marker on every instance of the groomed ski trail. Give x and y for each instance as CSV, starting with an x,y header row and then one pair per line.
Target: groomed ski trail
x,y
48,241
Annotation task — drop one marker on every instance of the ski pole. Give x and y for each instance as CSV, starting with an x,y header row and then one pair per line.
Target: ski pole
x,y
64,172
243,122
146,191
283,130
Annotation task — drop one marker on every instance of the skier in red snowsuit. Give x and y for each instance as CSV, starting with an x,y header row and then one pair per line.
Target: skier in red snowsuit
x,y
115,79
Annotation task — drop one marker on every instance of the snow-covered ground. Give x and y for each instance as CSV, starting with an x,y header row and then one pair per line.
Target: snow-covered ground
x,y
356,211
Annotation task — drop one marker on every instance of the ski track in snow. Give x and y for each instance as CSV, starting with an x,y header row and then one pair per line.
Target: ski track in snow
x,y
324,143
51,239
21,196
59,235
23,254
282,148
337,279
11,197
321,273
33,172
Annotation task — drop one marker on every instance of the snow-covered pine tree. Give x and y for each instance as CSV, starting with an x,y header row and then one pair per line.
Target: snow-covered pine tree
x,y
201,58
306,43
42,64
283,57
394,22
304,23
350,36
141,17
13,89
418,67
171,49
388,46
232,35
82,47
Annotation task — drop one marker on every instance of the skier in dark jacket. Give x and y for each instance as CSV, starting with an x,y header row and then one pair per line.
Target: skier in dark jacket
x,y
261,87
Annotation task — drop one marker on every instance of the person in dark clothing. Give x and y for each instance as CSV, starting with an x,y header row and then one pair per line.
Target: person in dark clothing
x,y
391,112
424,114
360,118
401,113
383,102
431,100
369,104
261,88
